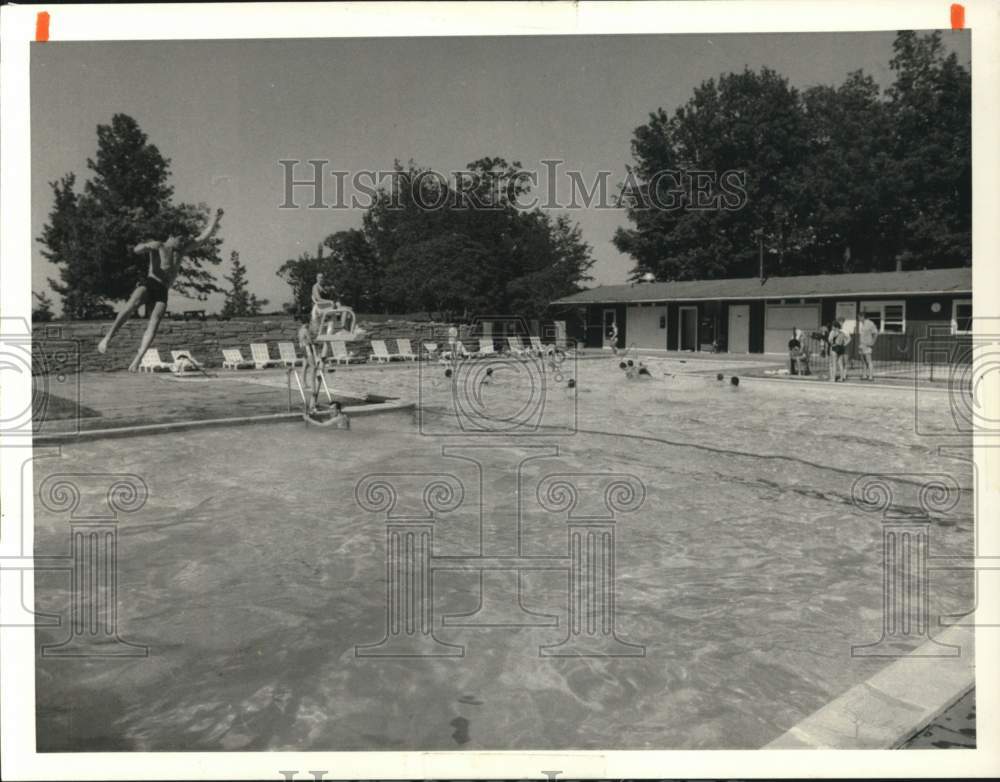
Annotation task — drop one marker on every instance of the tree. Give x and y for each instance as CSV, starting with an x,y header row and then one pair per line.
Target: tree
x,y
930,103
42,312
353,270
837,178
90,234
240,303
844,175
471,250
439,275
744,122
300,275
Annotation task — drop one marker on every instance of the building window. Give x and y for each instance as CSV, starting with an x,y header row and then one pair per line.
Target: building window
x,y
889,316
961,316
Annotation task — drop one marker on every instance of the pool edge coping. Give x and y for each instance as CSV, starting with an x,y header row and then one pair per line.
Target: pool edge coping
x,y
894,708
61,438
847,384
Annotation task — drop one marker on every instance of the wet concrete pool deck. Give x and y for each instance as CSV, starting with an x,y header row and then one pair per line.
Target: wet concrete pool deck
x,y
252,574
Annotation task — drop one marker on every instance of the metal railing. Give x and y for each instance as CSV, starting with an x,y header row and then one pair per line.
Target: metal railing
x,y
893,356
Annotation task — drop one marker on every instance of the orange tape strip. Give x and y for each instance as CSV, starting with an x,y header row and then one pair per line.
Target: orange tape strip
x,y
957,16
42,26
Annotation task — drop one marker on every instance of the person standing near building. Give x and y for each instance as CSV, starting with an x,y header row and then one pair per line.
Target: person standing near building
x,y
867,335
839,340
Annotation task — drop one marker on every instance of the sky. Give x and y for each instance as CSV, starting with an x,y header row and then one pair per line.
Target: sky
x,y
225,113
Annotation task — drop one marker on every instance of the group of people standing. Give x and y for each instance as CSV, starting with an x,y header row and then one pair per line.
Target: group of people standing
x,y
834,340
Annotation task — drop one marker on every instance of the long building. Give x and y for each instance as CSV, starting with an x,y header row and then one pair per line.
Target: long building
x,y
752,315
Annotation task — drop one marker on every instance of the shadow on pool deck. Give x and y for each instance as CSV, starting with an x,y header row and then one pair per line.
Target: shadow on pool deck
x,y
111,400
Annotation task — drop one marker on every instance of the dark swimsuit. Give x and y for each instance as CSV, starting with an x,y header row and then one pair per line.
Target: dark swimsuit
x,y
155,290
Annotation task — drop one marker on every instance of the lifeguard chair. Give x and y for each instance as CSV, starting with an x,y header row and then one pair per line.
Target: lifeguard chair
x,y
334,323
337,323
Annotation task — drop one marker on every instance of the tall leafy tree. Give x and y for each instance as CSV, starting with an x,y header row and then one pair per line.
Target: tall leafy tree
x,y
128,199
837,178
468,248
353,270
929,105
743,122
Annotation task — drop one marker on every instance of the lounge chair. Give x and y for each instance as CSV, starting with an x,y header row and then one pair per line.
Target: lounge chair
x,y
515,346
539,348
380,353
287,355
232,358
405,350
151,362
485,347
184,361
261,358
341,354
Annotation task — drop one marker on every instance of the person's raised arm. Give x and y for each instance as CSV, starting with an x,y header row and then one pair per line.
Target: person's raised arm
x,y
149,244
205,235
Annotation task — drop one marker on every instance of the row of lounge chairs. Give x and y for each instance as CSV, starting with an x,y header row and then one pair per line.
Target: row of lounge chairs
x,y
260,356
487,347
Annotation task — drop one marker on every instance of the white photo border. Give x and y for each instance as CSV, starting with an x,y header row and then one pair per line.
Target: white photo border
x,y
333,20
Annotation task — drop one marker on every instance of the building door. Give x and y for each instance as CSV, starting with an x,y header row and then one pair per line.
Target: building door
x,y
610,326
780,319
738,340
646,326
687,328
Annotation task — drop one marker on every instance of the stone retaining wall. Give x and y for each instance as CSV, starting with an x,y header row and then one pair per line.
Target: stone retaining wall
x,y
71,346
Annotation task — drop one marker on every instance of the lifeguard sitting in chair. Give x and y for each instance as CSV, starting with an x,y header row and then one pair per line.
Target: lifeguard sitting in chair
x,y
334,322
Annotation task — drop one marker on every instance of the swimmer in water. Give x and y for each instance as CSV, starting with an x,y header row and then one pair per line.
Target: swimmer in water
x,y
337,420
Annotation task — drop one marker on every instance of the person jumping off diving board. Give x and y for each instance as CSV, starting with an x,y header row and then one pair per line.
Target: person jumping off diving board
x,y
164,264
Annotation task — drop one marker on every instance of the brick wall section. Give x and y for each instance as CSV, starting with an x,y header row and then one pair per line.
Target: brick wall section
x,y
68,346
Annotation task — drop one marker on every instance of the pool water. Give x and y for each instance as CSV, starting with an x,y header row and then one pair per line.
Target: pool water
x,y
254,571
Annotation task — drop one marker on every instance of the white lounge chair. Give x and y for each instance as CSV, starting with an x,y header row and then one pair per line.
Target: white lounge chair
x,y
515,346
287,355
232,358
151,362
261,358
341,354
485,347
539,348
380,353
184,362
405,350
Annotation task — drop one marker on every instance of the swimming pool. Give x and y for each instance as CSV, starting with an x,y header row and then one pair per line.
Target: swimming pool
x,y
256,573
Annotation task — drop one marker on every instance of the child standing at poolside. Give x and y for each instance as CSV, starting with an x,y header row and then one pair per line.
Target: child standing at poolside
x,y
839,340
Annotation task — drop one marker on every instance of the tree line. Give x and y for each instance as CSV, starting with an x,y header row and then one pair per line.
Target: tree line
x,y
480,255
835,178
